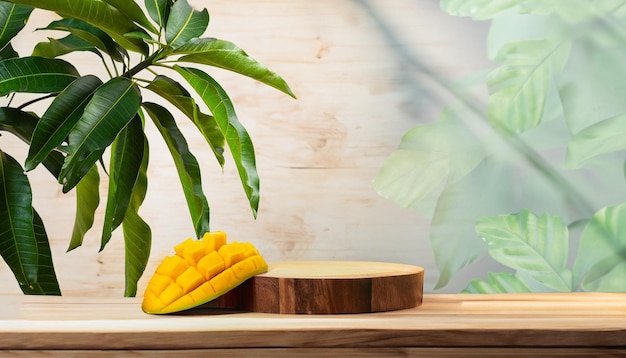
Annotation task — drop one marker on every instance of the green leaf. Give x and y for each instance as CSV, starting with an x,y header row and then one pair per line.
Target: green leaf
x,y
97,13
87,201
186,164
535,245
12,20
90,34
133,12
603,137
126,157
159,10
35,75
47,283
501,282
429,156
185,23
59,119
177,95
600,264
477,9
8,52
22,124
137,233
226,55
519,88
18,243
59,47
237,137
110,109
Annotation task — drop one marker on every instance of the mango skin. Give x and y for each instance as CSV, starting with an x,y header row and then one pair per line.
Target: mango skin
x,y
199,272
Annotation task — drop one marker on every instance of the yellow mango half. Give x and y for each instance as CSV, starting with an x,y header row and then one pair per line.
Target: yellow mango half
x,y
199,272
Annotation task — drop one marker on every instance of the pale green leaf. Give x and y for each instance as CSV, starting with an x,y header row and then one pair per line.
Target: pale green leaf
x,y
12,20
111,108
186,165
185,23
600,264
535,245
87,201
137,233
237,137
477,9
226,55
501,282
603,137
35,75
177,95
59,119
126,157
519,87
97,13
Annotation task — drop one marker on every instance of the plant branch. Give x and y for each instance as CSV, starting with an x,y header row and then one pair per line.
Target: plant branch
x,y
26,104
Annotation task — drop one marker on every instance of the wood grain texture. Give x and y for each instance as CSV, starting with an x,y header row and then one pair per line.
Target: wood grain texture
x,y
444,325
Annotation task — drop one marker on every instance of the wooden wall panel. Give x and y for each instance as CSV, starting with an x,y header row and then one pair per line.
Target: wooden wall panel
x,y
352,66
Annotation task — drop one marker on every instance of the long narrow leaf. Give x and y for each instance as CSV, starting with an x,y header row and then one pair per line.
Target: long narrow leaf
x,y
59,47
87,201
8,52
59,119
159,10
35,75
133,12
96,12
186,164
137,233
185,23
126,157
110,109
18,244
23,124
47,283
237,137
177,95
536,245
227,55
12,20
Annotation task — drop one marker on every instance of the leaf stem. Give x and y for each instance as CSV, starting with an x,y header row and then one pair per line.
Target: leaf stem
x,y
26,104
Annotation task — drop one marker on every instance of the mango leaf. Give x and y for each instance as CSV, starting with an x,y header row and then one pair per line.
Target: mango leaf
x,y
35,75
59,119
519,88
47,283
501,282
477,9
186,164
159,10
126,156
600,264
19,243
59,47
177,95
12,20
97,13
237,137
185,23
111,108
603,137
87,201
137,233
573,11
226,55
8,52
535,245
22,125
429,156
90,34
133,12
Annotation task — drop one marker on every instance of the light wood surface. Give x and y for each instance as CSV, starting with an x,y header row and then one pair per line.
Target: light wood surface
x,y
328,287
444,325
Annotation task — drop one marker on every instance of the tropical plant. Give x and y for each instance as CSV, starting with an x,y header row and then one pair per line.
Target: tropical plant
x,y
548,140
89,116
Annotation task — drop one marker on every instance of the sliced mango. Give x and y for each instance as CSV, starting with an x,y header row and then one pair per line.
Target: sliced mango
x,y
199,272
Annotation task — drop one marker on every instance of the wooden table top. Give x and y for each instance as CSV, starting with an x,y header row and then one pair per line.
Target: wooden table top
x,y
583,320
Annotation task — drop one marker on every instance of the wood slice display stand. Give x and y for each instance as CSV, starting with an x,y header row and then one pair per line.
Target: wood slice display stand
x,y
328,287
